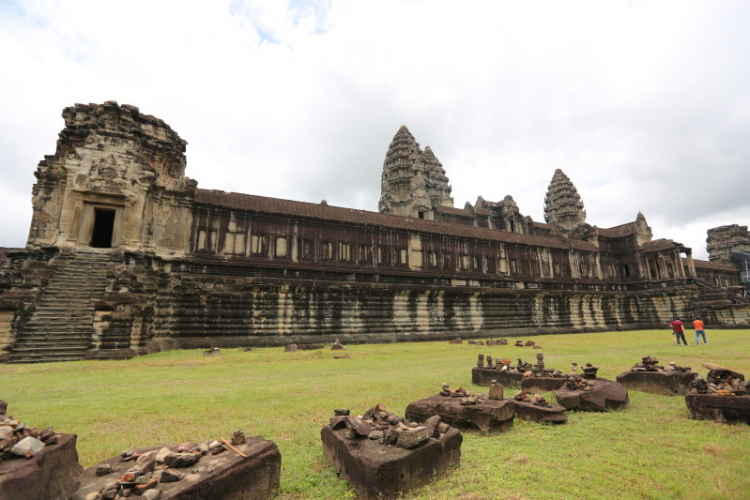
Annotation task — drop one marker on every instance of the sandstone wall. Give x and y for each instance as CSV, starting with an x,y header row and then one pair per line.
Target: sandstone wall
x,y
205,306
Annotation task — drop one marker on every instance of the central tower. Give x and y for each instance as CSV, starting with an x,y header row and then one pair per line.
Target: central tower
x,y
413,181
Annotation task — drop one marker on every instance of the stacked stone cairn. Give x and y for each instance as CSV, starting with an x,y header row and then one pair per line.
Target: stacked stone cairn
x,y
583,382
387,428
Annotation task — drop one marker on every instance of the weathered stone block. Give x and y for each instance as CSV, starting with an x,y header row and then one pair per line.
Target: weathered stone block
x,y
226,476
722,409
661,382
376,471
554,414
484,376
604,395
50,474
542,384
486,415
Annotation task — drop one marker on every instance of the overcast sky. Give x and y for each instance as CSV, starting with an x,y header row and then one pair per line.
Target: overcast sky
x,y
644,105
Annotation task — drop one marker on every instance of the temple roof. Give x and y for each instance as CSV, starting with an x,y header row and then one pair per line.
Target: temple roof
x,y
319,211
619,231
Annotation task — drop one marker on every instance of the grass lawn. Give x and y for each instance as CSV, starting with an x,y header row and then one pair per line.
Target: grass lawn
x,y
651,450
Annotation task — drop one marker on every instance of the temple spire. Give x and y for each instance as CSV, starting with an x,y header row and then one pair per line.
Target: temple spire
x,y
413,182
563,207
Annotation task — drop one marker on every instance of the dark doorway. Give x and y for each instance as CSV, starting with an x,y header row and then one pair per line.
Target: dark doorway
x,y
104,223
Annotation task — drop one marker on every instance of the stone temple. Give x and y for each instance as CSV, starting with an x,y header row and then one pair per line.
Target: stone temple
x,y
126,255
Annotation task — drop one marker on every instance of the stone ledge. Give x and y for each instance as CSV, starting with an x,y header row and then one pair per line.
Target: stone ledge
x,y
553,414
486,415
485,376
664,383
722,409
605,395
52,473
256,477
377,471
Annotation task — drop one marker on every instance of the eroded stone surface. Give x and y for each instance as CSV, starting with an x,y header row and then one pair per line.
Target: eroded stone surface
x,y
722,409
222,476
485,415
50,474
377,471
658,382
554,413
604,395
485,376
542,384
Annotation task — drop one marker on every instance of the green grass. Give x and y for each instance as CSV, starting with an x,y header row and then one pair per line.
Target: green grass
x,y
651,450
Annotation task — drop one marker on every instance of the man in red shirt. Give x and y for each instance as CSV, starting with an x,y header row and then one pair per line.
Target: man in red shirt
x,y
678,330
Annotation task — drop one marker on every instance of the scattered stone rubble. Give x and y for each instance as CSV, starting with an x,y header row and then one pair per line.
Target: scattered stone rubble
x,y
34,464
723,396
337,346
243,468
649,376
383,455
302,347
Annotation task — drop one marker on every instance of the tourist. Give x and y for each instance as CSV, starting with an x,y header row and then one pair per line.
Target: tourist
x,y
699,331
678,330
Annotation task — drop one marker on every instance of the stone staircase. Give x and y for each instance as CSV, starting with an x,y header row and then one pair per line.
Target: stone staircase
x,y
60,328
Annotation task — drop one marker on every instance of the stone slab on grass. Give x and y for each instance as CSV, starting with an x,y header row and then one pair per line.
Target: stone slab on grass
x,y
661,382
486,415
378,471
605,395
722,409
542,384
485,376
50,474
554,414
226,476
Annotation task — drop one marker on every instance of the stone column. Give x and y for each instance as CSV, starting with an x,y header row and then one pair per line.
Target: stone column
x,y
690,263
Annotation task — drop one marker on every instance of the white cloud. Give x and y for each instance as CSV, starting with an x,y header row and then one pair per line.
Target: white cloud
x,y
643,104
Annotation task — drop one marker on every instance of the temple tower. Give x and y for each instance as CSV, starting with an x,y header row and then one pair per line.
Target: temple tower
x,y
117,180
723,241
563,207
413,182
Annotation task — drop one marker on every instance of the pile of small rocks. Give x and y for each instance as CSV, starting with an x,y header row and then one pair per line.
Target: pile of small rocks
x,y
722,381
151,469
387,428
18,440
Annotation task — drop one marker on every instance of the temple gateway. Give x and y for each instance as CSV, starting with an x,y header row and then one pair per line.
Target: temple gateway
x,y
126,255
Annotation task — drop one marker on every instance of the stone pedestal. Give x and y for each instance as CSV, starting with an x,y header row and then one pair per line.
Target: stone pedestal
x,y
605,395
664,383
722,409
542,384
484,376
226,476
554,414
486,415
377,471
51,474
